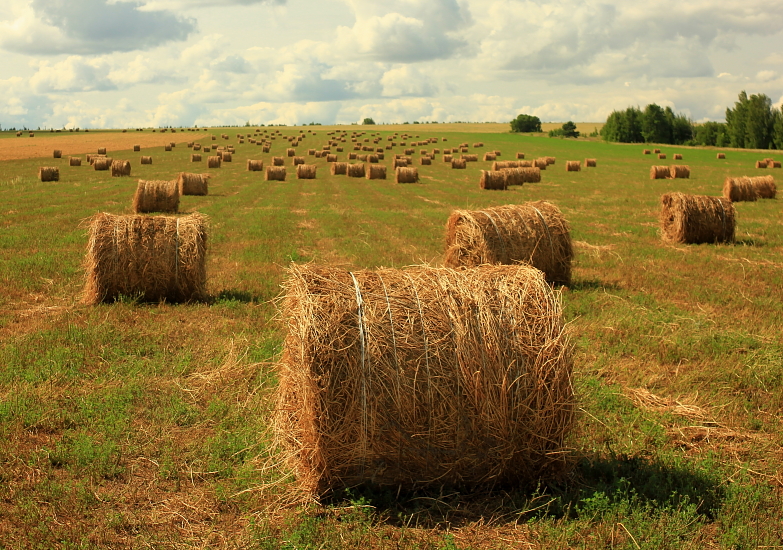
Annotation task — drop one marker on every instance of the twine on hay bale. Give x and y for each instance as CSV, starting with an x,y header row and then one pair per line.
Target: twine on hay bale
x,y
373,389
697,219
58,154
376,172
193,184
195,157
49,173
305,171
493,180
355,170
535,233
721,156
679,171
156,196
749,189
214,161
573,166
102,163
406,174
278,161
75,161
459,164
659,172
153,257
120,168
275,173
521,175
339,168
590,163
255,165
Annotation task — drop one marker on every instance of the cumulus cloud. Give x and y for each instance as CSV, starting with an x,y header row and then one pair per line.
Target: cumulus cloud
x,y
74,74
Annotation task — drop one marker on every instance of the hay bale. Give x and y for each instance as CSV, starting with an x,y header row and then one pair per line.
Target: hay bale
x,y
520,156
297,160
290,152
376,172
197,147
659,172
101,150
459,164
773,164
278,161
58,154
590,163
195,157
49,173
679,171
406,174
372,159
152,257
213,161
167,147
540,163
255,165
339,168
156,196
749,189
146,160
225,156
470,158
193,184
573,166
662,156
425,161
275,173
447,158
489,156
136,148
521,175
535,233
371,391
102,163
305,171
721,155
120,168
493,180
75,161
355,171
646,152
697,219
677,156
761,164
656,151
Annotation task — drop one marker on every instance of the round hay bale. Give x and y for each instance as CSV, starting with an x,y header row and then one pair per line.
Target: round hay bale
x,y
136,148
590,163
49,173
425,161
749,189
679,171
214,138
697,219
520,156
677,156
146,160
656,151
297,160
275,173
662,156
521,175
193,184
305,171
489,156
255,165
549,160
573,166
195,157
409,151
372,388
151,257
761,164
540,163
659,172
339,149
355,171
213,161
535,233
278,161
167,147
721,156
101,150
447,158
75,161
339,168
406,174
156,196
58,154
459,164
493,180
207,149
470,158
120,168
290,152
376,172
372,159
646,152
225,156
102,163
773,164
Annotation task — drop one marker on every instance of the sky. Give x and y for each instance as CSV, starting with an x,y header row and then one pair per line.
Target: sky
x,y
142,63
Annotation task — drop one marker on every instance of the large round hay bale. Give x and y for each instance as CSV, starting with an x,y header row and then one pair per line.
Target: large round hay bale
x,y
275,173
49,173
447,158
423,377
520,155
659,172
167,147
662,156
75,161
120,168
679,171
425,161
195,157
331,158
197,147
459,164
773,164
146,160
151,257
339,168
540,163
290,152
102,163
406,174
493,180
156,196
306,171
573,166
749,189
213,161
761,164
677,156
697,219
255,165
376,172
656,151
489,156
535,233
193,184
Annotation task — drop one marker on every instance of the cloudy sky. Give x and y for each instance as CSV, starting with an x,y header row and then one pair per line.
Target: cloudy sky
x,y
129,63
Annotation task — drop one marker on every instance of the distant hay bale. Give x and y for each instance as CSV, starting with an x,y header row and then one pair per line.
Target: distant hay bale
x,y
195,157
102,163
761,164
290,152
773,164
156,196
339,168
679,171
380,156
470,158
521,175
721,155
225,156
278,161
255,165
193,184
662,156
425,161
535,233
409,151
493,180
656,151
383,397
590,163
190,145
58,154
549,160
520,155
459,164
101,150
376,172
151,257
49,173
478,144
489,156
540,163
355,170
399,163
305,171
406,174
659,172
136,148
447,158
573,166
749,189
167,147
646,152
372,159
697,219
75,161
146,160
213,161
297,160
311,152
275,173
677,156
120,168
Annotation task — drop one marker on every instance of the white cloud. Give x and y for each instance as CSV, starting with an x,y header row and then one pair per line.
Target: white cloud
x,y
74,74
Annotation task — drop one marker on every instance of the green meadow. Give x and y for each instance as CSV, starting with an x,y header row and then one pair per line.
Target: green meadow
x,y
137,425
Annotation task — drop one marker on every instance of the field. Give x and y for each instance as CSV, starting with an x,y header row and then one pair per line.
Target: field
x,y
132,425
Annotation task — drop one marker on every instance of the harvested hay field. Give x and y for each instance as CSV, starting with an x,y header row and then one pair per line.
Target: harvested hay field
x,y
156,196
535,233
153,257
370,390
696,219
749,188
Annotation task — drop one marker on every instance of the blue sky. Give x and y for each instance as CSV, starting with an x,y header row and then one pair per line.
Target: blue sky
x,y
115,63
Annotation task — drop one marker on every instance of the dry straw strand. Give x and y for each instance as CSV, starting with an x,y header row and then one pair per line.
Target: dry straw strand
x,y
697,219
156,196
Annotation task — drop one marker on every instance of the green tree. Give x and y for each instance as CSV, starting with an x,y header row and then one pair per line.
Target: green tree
x,y
656,126
760,124
368,120
569,130
736,120
526,123
777,134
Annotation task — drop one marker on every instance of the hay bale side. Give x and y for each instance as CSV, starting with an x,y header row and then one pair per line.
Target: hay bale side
x,y
214,161
773,164
470,158
339,168
489,156
278,161
305,171
459,164
75,161
331,158
255,165
275,173
519,176
573,166
225,156
591,163
146,160
356,170
376,172
697,219
646,152
102,163
195,157
493,180
535,233
374,392
721,156
290,152
677,156
154,257
120,168
520,156
679,171
58,154
193,184
749,189
540,163
406,174
296,161
425,161
156,196
101,150
659,172
136,148
49,173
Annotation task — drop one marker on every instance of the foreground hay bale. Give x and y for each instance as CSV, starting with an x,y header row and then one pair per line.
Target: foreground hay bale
x,y
406,174
697,219
376,172
305,171
355,170
49,173
156,196
275,173
339,168
535,233
493,180
153,257
659,172
371,391
749,189
193,184
213,161
120,168
255,165
679,171
75,161
573,166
